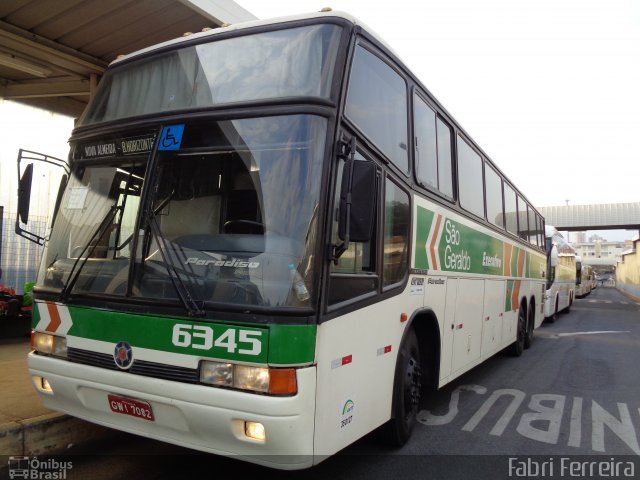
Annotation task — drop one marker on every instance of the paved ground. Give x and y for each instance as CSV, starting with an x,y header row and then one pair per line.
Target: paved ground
x,y
19,400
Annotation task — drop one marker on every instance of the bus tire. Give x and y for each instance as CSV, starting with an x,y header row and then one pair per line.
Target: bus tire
x,y
554,315
568,309
517,347
407,388
528,338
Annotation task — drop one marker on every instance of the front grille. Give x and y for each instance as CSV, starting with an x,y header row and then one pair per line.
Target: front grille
x,y
139,367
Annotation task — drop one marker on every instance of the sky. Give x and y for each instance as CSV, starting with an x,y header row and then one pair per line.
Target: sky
x,y
30,129
550,89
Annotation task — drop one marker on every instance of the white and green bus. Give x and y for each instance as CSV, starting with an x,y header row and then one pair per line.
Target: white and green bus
x,y
561,274
272,241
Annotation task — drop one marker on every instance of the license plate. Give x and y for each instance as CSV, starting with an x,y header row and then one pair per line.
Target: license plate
x,y
131,407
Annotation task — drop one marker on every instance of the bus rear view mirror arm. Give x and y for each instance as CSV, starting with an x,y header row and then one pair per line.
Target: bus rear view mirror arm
x,y
357,202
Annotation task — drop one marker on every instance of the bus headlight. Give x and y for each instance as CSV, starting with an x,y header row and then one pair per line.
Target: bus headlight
x,y
274,381
47,344
217,373
251,378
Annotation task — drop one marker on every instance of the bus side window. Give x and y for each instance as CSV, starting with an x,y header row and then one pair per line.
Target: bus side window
x,y
470,180
445,158
377,105
540,231
510,209
355,272
523,224
533,232
397,220
493,192
433,149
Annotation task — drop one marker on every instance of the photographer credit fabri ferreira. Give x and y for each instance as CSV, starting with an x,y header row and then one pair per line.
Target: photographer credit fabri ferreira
x,y
582,467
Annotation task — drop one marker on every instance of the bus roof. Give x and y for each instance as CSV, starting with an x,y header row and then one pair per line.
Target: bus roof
x,y
328,13
255,23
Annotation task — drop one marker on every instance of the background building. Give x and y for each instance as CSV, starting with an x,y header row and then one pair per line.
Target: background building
x,y
599,251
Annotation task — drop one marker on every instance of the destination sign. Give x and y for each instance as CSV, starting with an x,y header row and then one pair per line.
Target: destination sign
x,y
115,147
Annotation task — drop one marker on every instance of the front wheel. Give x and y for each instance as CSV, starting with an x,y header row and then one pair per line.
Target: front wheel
x,y
406,392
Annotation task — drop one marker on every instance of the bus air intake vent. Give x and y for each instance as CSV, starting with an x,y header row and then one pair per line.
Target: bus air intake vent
x,y
139,367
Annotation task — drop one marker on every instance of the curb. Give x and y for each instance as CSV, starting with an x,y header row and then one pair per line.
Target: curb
x,y
48,434
629,295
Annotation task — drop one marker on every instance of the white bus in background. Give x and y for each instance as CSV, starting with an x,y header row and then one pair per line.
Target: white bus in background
x,y
561,274
584,278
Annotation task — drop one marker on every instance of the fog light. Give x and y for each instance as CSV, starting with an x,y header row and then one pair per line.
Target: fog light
x,y
42,384
254,430
46,385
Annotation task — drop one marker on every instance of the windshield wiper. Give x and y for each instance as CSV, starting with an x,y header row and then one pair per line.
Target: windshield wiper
x,y
91,245
181,288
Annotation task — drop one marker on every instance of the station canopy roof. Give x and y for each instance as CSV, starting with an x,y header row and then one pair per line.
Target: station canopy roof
x,y
53,52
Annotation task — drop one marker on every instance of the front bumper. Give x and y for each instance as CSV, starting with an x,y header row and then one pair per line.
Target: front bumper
x,y
194,416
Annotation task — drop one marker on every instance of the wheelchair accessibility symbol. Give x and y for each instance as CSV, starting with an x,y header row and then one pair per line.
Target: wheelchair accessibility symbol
x,y
171,137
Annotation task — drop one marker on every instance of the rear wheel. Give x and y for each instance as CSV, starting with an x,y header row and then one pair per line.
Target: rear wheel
x,y
568,309
406,392
528,339
517,347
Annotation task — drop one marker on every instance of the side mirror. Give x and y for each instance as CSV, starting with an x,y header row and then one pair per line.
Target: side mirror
x,y
24,193
554,256
357,201
42,169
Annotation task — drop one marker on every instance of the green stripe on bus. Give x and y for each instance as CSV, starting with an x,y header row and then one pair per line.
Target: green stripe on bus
x,y
273,344
465,249
292,344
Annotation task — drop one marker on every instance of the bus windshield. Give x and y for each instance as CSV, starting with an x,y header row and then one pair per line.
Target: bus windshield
x,y
285,63
230,218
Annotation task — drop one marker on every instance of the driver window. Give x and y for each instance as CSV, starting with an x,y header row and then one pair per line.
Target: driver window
x,y
355,272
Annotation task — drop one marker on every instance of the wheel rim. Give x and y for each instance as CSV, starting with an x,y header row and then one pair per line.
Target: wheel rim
x,y
522,328
412,387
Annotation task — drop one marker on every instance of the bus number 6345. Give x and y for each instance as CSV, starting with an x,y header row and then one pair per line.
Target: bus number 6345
x,y
201,337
